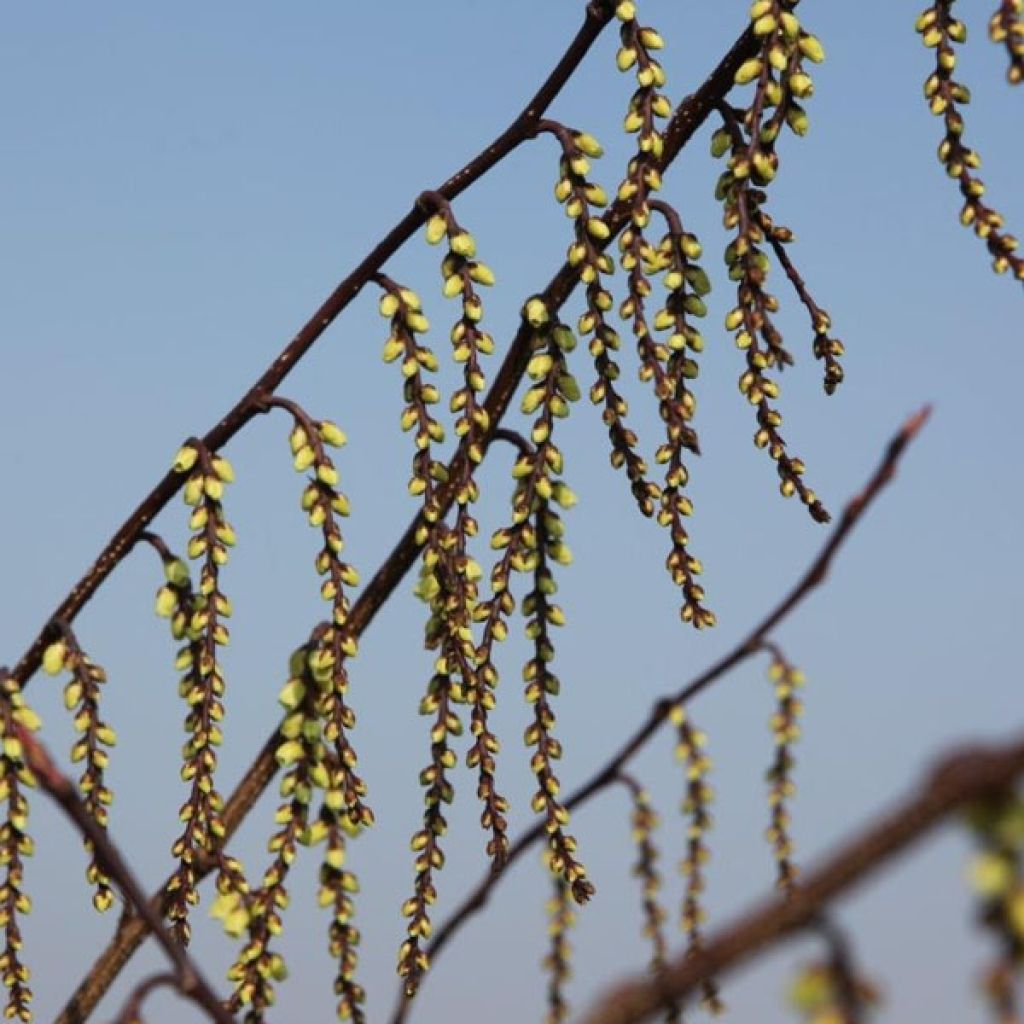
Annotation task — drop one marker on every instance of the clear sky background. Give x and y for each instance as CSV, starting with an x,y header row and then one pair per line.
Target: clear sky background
x,y
181,186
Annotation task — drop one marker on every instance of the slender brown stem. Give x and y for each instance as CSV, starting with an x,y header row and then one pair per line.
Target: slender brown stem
x,y
598,14
132,1009
848,986
751,644
689,116
188,978
960,779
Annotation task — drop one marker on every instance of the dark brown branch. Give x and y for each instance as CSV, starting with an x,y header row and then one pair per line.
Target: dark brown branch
x,y
960,779
751,644
598,14
689,116
188,978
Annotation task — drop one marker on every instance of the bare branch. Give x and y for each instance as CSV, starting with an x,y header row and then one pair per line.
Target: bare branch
x,y
960,779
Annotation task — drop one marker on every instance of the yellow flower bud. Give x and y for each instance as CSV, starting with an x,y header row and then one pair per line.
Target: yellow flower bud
x,y
811,48
185,459
54,657
463,244
331,433
748,71
437,228
536,312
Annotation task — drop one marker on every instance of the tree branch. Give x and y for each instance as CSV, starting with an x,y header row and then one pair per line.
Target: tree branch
x,y
188,979
753,642
688,117
960,779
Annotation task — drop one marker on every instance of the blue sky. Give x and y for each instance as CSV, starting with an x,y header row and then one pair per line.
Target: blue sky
x,y
181,188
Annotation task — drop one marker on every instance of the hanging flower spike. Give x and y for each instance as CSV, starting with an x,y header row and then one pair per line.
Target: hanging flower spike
x,y
301,754
462,273
670,366
1007,27
557,960
525,545
647,105
402,306
666,365
337,888
202,680
997,876
644,820
749,138
324,504
441,695
82,697
586,253
15,843
826,348
831,991
785,725
942,32
690,744
545,544
201,813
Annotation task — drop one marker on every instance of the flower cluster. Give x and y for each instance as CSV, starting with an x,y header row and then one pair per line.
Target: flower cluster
x,y
449,576
561,918
690,744
448,546
301,753
402,306
667,364
337,887
785,725
324,505
825,993
541,613
586,254
644,820
997,877
528,544
941,31
202,678
461,273
82,697
749,138
443,692
15,843
1006,26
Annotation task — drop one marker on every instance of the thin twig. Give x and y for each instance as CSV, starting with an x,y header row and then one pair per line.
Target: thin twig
x,y
689,116
189,980
131,1012
960,779
750,645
